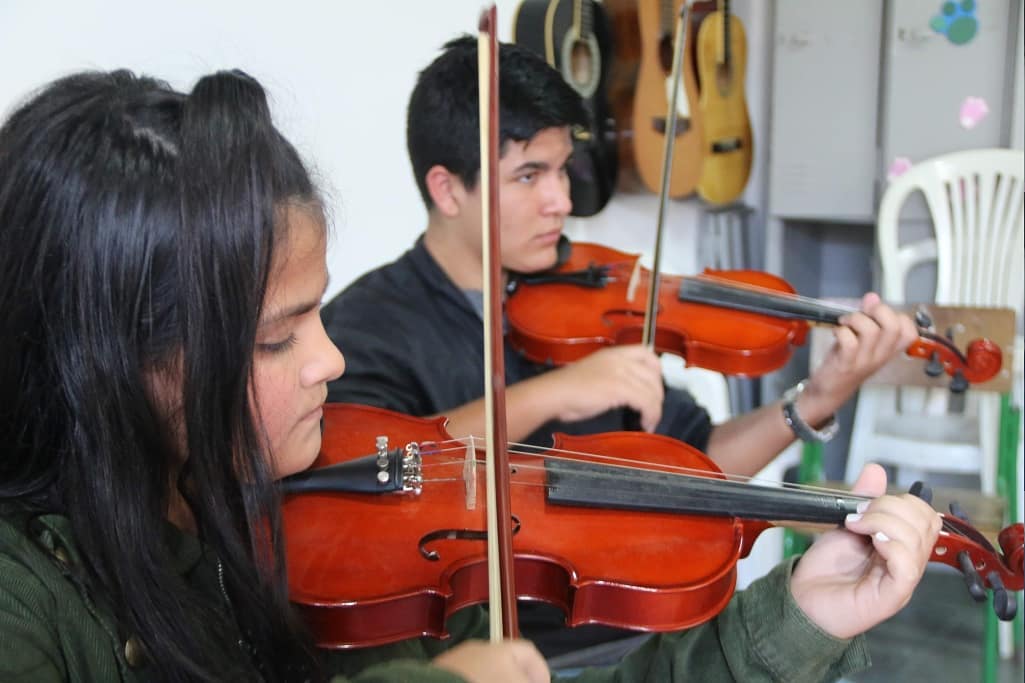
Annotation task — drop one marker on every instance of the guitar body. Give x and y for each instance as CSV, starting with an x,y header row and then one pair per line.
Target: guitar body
x,y
727,140
573,37
657,24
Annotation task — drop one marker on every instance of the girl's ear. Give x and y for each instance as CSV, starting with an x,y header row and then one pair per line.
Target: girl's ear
x,y
446,189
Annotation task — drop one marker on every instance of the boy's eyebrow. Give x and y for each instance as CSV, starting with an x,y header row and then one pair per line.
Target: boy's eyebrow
x,y
531,166
298,309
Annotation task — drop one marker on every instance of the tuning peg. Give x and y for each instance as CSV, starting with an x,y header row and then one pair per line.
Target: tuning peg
x,y
1004,602
922,318
921,490
972,580
934,368
957,511
958,383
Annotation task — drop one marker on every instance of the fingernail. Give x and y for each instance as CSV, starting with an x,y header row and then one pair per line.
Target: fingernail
x,y
880,536
853,517
862,506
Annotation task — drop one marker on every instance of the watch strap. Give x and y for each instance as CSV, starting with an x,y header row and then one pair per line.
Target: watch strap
x,y
801,429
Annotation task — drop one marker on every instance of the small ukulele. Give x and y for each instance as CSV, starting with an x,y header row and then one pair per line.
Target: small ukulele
x,y
727,142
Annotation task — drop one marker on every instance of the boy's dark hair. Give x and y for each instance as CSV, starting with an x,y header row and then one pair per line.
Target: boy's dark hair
x,y
442,124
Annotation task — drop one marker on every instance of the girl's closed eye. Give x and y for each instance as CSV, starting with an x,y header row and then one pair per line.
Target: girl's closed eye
x,y
279,346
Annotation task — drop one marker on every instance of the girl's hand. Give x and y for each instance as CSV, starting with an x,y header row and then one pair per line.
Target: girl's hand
x,y
854,578
511,661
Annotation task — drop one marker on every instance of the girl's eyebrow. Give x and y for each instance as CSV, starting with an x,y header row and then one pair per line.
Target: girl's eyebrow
x,y
296,310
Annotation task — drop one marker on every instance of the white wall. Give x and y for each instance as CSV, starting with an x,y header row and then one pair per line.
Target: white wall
x,y
339,74
1018,103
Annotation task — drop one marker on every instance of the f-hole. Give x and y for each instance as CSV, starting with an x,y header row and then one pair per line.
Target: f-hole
x,y
456,535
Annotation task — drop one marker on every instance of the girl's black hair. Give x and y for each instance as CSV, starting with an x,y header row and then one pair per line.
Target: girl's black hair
x,y
137,229
443,118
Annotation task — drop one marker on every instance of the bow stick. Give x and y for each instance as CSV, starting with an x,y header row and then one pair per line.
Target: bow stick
x,y
501,589
651,309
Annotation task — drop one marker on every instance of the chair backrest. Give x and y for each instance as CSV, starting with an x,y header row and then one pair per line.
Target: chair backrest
x,y
975,199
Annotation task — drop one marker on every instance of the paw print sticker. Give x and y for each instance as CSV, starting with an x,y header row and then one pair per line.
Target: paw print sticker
x,y
956,21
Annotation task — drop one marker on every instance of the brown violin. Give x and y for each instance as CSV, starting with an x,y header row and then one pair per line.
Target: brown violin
x,y
738,322
385,536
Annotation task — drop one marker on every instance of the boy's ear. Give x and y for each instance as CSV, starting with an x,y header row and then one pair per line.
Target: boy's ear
x,y
446,189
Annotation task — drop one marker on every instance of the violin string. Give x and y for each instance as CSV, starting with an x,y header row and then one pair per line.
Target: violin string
x,y
697,498
625,463
787,298
672,280
625,466
767,292
439,449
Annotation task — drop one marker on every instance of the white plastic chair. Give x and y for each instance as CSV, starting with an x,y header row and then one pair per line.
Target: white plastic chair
x,y
975,200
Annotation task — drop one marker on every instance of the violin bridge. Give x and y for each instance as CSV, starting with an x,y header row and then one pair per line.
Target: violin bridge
x,y
470,474
635,279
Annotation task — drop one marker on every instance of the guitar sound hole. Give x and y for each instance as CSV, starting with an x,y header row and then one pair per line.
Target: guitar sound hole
x,y
581,63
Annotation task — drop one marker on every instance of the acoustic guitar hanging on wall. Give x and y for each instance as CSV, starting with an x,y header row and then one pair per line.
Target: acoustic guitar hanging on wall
x,y
727,142
656,19
573,37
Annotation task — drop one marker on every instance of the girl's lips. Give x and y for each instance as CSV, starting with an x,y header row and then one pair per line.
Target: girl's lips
x,y
549,237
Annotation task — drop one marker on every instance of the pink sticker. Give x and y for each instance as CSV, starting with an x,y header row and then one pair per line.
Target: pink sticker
x,y
973,110
898,167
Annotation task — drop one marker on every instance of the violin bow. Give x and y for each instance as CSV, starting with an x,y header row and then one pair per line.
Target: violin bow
x,y
651,308
501,589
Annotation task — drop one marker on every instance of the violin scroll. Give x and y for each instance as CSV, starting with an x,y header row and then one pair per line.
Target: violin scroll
x,y
980,563
980,362
984,567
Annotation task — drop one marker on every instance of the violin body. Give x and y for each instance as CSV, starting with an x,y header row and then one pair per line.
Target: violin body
x,y
737,322
358,575
562,322
651,544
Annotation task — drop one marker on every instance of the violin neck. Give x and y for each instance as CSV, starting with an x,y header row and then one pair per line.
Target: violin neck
x,y
588,484
706,290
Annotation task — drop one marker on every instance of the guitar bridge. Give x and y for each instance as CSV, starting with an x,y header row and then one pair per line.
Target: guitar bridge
x,y
726,146
659,124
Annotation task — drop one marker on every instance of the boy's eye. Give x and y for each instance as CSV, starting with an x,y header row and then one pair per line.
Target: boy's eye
x,y
277,347
527,177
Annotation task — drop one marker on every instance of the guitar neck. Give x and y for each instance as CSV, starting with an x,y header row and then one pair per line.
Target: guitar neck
x,y
582,18
726,58
665,18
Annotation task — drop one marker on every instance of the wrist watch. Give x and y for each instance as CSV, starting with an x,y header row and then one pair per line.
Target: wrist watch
x,y
802,430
